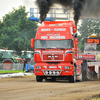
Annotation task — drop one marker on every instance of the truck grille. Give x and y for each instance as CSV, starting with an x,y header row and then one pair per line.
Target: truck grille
x,y
52,72
53,57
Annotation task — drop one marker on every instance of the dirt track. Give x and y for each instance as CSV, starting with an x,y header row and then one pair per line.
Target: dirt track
x,y
26,88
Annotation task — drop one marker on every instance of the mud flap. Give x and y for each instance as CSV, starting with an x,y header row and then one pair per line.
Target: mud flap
x,y
86,73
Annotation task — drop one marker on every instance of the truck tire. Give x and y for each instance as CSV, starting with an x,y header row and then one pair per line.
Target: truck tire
x,y
86,74
7,64
72,79
39,78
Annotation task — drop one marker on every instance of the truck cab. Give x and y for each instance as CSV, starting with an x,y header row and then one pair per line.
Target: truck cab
x,y
55,50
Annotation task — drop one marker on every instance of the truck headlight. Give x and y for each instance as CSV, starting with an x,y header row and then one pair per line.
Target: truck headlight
x,y
38,67
67,67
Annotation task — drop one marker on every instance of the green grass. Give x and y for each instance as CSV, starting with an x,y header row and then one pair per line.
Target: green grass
x,y
10,71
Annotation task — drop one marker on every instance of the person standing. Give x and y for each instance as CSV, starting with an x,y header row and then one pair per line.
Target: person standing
x,y
24,64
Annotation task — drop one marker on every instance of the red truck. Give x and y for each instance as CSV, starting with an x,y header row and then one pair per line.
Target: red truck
x,y
55,51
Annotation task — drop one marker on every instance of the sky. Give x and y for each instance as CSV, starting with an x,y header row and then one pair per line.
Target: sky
x,y
7,5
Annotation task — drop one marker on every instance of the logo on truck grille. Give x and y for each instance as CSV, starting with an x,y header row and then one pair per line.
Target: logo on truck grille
x,y
54,57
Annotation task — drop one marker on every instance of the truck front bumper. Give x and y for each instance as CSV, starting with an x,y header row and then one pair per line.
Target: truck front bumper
x,y
54,69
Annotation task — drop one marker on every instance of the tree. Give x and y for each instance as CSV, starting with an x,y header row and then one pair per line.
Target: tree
x,y
89,26
16,30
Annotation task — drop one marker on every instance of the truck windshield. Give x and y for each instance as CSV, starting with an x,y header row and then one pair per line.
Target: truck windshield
x,y
53,44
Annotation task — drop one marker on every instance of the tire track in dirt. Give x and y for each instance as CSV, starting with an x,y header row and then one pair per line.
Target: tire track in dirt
x,y
26,88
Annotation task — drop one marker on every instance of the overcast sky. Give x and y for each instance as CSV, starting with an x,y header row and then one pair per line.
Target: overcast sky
x,y
7,5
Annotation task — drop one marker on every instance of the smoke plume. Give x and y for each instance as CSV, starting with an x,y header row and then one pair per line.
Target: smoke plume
x,y
45,5
90,7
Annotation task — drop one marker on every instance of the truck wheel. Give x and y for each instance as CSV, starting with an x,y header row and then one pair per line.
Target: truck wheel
x,y
84,75
84,71
39,78
72,79
7,63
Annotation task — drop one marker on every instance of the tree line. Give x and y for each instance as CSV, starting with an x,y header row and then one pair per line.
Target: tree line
x,y
88,27
16,30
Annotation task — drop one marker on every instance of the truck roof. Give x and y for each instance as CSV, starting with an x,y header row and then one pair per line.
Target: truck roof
x,y
56,30
58,23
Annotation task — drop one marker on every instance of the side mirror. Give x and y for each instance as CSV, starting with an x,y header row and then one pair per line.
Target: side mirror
x,y
32,42
76,41
75,35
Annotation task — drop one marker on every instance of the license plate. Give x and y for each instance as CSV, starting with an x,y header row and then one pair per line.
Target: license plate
x,y
52,66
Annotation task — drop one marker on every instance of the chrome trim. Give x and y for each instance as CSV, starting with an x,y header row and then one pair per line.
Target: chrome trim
x,y
68,52
52,72
38,52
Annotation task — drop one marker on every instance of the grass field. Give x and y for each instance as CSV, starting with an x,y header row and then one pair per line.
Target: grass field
x,y
10,71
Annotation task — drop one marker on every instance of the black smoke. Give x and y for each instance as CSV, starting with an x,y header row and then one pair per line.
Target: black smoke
x,y
87,8
45,5
77,6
